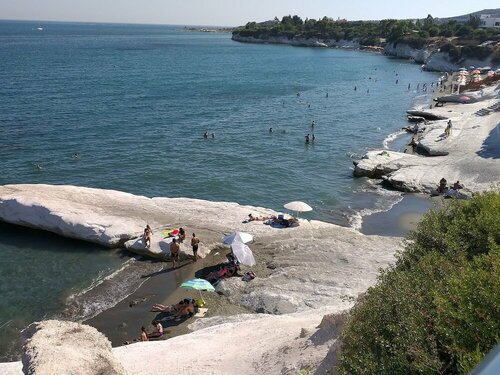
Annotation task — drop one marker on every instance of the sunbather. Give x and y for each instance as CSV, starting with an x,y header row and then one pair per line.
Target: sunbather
x,y
143,337
167,308
187,310
158,330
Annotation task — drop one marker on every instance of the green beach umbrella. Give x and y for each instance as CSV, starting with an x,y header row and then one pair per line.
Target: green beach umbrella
x,y
199,285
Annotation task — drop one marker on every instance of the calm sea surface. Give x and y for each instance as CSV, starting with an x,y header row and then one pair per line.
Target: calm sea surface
x,y
125,107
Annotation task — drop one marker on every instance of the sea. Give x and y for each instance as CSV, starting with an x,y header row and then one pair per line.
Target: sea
x,y
125,107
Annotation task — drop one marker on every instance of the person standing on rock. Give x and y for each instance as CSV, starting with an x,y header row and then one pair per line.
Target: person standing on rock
x,y
447,131
174,252
148,233
195,241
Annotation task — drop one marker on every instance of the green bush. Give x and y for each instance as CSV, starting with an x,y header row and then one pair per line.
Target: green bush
x,y
436,310
478,52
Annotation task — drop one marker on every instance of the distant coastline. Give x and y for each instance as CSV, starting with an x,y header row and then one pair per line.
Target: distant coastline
x,y
438,44
209,29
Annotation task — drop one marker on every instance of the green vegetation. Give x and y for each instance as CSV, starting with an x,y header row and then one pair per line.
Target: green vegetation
x,y
436,311
418,33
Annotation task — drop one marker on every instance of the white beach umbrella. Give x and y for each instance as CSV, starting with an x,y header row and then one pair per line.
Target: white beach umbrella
x,y
298,206
243,253
237,237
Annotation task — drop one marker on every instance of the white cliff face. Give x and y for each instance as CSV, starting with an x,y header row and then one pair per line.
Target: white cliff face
x,y
299,41
441,61
405,51
57,347
87,214
112,218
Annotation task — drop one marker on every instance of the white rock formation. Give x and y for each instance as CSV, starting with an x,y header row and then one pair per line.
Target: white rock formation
x,y
316,269
315,263
57,347
471,154
111,218
441,62
405,51
299,41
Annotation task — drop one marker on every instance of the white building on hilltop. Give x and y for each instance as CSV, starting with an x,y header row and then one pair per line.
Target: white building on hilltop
x,y
489,21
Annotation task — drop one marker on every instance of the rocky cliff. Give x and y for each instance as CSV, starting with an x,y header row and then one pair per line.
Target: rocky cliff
x,y
297,41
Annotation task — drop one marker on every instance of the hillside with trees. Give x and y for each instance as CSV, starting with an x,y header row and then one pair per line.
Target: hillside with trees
x,y
462,39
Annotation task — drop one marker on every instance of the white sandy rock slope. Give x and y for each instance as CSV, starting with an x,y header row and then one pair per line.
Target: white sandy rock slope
x,y
302,273
471,154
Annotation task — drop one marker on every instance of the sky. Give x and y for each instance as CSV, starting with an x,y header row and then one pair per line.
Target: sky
x,y
230,12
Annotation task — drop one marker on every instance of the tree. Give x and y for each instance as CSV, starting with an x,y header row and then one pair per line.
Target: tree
x,y
429,21
474,21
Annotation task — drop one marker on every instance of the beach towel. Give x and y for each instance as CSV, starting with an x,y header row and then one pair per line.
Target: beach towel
x,y
201,312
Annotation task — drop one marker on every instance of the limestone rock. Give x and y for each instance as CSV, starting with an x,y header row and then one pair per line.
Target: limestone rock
x,y
57,347
376,164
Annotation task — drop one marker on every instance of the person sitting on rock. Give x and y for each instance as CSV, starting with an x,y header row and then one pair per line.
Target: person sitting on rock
x,y
457,185
148,233
442,186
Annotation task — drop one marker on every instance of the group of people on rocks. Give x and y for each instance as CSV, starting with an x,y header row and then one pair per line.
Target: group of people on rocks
x,y
443,187
145,335
175,244
185,308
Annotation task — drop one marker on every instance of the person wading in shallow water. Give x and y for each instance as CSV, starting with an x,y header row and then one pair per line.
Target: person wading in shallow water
x,y
195,241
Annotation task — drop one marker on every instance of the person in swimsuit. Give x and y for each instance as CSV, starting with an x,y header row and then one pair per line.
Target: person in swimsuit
x,y
307,138
195,241
144,334
148,233
182,235
174,252
158,330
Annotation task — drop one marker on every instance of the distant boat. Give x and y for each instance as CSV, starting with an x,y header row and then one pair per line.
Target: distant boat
x,y
39,28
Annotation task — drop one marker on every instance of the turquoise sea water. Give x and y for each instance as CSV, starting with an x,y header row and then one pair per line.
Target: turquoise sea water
x,y
125,107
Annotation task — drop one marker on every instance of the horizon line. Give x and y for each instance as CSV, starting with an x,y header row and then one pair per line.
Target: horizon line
x,y
112,23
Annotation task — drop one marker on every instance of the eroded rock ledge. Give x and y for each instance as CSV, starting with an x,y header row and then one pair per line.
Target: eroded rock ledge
x,y
470,154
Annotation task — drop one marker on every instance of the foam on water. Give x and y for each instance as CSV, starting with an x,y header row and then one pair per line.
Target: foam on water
x,y
383,200
392,137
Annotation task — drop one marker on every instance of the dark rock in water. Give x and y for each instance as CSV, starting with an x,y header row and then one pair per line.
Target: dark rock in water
x,y
426,115
416,119
136,301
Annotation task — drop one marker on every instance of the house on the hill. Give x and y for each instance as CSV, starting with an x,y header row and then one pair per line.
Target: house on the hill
x,y
487,21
